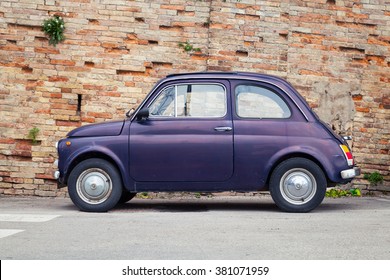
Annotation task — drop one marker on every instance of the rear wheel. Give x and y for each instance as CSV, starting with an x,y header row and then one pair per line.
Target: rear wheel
x,y
298,185
95,185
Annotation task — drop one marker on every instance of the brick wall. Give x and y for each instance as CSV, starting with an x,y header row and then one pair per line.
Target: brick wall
x,y
336,53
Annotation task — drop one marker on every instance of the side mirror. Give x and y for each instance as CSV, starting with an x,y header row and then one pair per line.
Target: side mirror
x,y
143,114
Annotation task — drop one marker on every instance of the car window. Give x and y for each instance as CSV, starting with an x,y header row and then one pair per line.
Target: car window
x,y
259,102
190,100
164,104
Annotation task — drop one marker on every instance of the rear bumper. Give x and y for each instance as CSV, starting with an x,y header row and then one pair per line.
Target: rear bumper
x,y
350,173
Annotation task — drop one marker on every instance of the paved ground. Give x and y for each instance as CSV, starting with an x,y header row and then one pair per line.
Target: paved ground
x,y
206,228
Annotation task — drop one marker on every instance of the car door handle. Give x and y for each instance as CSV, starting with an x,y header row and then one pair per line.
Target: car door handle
x,y
223,128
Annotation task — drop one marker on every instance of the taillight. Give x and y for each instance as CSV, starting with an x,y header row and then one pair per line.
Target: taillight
x,y
347,154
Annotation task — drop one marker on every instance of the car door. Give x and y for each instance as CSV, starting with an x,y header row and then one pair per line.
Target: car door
x,y
262,116
187,137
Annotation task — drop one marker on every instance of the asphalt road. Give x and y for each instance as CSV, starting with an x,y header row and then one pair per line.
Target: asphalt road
x,y
208,228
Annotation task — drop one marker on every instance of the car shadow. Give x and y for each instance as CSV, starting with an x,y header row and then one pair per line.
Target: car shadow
x,y
195,206
261,205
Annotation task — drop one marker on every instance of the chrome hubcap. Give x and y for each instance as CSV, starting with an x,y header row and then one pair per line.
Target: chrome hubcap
x,y
298,186
94,186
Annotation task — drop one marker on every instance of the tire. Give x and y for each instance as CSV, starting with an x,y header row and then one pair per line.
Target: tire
x,y
95,185
297,185
126,196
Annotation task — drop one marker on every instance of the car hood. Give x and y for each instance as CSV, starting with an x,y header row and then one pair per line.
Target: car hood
x,y
112,128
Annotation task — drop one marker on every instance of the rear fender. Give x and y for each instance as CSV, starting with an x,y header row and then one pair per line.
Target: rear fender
x,y
330,168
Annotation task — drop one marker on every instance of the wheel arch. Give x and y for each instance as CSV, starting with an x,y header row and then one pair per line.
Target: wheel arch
x,y
95,154
285,157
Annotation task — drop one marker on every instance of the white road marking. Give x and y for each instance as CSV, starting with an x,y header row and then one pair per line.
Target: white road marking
x,y
30,218
22,218
8,232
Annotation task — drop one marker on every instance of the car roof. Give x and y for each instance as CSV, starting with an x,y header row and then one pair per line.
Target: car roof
x,y
251,76
227,75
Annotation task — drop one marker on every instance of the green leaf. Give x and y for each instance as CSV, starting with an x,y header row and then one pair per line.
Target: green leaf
x,y
54,28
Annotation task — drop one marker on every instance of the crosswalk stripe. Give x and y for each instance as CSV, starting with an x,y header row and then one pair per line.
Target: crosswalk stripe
x,y
31,218
8,232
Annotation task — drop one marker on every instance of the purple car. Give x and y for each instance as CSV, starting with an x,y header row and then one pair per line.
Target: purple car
x,y
208,132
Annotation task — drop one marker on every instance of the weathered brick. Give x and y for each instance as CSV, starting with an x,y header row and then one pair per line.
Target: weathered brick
x,y
63,62
66,123
58,79
173,7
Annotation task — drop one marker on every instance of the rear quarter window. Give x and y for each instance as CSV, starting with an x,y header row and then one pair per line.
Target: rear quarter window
x,y
258,102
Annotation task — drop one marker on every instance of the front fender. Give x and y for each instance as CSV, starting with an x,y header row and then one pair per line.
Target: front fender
x,y
83,148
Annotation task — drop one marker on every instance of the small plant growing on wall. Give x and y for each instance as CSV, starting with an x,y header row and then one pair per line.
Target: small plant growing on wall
x,y
32,134
54,28
189,47
374,178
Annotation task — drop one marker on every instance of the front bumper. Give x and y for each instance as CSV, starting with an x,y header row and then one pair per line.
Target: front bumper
x,y
57,176
350,173
56,173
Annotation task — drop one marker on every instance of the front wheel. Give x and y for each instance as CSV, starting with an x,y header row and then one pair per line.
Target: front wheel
x,y
95,185
298,185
